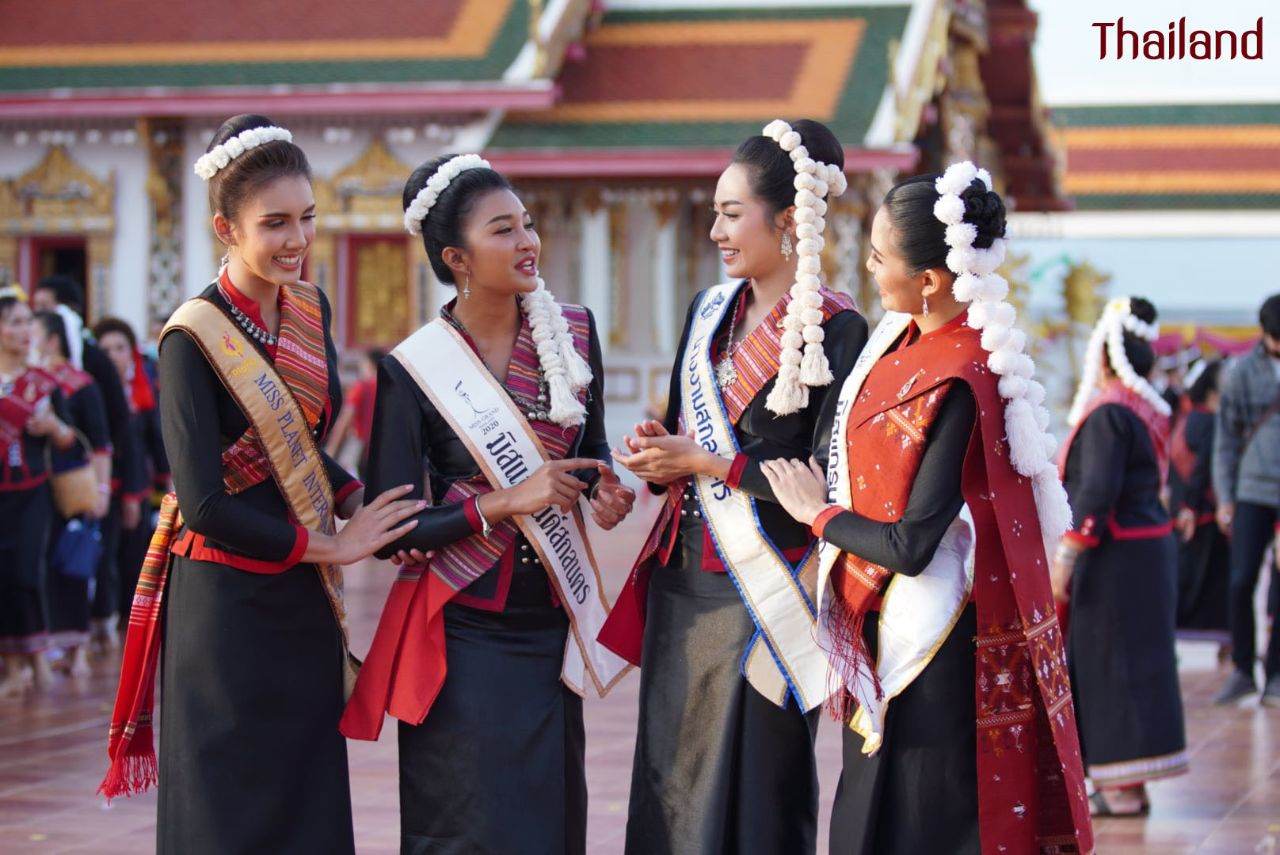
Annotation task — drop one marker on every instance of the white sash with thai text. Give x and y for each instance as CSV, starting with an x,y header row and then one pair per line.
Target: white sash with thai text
x,y
507,450
783,656
917,612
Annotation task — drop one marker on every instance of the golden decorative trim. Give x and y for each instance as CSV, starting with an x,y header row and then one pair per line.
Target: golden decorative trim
x,y
473,32
1172,181
1172,136
363,196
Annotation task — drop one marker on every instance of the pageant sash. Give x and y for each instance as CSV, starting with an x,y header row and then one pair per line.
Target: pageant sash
x,y
917,612
508,451
783,656
273,411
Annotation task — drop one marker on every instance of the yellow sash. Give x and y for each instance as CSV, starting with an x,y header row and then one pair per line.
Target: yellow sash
x,y
270,407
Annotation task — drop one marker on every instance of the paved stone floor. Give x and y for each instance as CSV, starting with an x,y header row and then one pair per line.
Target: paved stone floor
x,y
52,755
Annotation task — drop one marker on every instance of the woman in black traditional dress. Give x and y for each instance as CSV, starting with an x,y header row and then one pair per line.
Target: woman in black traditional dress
x,y
960,737
719,766
1117,568
68,592
491,740
32,415
253,653
119,342
1204,552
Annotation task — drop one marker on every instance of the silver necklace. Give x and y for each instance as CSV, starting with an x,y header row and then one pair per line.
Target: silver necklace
x,y
726,374
249,325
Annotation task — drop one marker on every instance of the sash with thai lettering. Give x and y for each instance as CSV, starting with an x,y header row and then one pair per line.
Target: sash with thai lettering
x,y
284,434
508,451
782,657
917,613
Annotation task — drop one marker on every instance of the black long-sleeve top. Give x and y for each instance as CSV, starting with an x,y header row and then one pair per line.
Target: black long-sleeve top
x,y
1113,478
128,474
411,439
907,545
762,435
1195,492
199,420
87,413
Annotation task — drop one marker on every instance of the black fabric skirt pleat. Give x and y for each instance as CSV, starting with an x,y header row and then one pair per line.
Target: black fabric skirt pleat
x,y
1120,649
919,792
25,519
251,760
1204,582
498,765
718,768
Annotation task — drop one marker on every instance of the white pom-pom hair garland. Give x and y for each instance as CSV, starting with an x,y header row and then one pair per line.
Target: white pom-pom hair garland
x,y
217,158
986,291
1108,336
803,360
436,185
564,369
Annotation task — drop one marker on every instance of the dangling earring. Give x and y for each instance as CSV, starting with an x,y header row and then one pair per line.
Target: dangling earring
x,y
226,259
466,286
786,247
925,300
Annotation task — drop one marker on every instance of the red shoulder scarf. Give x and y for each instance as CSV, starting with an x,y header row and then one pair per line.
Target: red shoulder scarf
x,y
16,408
1156,423
1031,795
70,379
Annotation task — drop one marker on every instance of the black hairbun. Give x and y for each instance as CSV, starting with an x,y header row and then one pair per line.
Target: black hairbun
x,y
444,224
1143,310
773,173
984,209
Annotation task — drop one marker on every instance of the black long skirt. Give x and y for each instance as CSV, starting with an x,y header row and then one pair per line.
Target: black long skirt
x,y
68,598
251,760
1204,584
718,768
498,765
919,792
25,519
1124,674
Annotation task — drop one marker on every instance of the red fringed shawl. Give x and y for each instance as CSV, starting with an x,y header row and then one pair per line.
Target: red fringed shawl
x,y
1031,794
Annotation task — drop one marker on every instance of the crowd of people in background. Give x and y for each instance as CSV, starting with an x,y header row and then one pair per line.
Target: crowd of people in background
x,y
83,463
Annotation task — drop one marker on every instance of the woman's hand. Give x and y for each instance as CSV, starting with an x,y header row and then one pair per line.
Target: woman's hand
x,y
659,457
371,527
1185,524
612,500
413,557
45,422
801,489
553,483
1062,569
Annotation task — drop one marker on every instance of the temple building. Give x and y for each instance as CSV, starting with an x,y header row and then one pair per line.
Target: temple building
x,y
614,120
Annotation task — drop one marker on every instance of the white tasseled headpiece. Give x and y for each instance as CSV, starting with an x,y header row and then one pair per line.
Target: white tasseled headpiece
x,y
1117,319
803,360
1031,446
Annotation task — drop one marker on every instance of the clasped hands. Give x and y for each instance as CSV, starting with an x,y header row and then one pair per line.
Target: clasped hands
x,y
553,483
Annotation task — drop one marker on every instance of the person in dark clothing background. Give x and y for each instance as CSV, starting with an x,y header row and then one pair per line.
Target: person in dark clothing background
x,y
1246,479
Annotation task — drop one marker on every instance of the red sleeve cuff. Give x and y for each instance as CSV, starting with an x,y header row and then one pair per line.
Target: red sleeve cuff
x,y
346,491
734,478
471,507
301,540
821,520
1081,540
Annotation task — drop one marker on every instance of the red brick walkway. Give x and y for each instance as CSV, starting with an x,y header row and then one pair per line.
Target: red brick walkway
x,y
51,757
